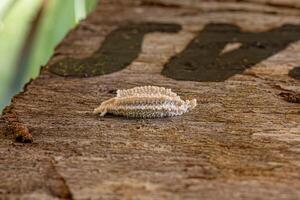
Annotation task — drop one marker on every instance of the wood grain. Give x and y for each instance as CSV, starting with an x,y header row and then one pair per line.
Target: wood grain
x,y
241,142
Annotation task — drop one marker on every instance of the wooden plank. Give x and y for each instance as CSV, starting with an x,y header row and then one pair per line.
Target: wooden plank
x,y
239,60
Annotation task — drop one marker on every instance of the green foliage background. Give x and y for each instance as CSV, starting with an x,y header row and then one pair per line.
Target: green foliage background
x,y
29,31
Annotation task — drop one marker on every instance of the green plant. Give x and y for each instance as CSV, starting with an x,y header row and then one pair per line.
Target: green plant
x,y
29,31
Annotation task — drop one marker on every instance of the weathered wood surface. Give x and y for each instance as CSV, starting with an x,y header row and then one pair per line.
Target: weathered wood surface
x,y
241,142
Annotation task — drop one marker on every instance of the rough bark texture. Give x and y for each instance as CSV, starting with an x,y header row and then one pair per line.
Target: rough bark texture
x,y
241,142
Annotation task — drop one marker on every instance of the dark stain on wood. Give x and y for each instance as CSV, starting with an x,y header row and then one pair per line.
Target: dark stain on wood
x,y
118,50
204,61
291,97
295,73
160,4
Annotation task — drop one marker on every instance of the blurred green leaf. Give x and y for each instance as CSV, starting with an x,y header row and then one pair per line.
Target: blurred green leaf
x,y
58,19
80,9
20,59
90,5
13,31
5,7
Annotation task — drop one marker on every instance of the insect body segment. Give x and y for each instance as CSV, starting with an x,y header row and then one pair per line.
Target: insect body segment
x,y
146,102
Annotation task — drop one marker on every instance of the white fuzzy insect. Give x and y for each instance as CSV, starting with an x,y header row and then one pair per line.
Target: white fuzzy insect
x,y
146,102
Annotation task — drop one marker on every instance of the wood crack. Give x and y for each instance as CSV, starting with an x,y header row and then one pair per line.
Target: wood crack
x,y
56,183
